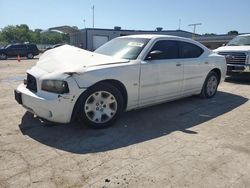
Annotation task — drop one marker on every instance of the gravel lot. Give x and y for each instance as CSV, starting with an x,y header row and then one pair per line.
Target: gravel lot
x,y
187,143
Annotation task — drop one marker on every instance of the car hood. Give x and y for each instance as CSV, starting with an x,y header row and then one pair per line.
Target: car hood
x,y
233,48
67,58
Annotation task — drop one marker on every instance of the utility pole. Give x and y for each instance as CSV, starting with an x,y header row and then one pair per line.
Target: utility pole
x,y
84,21
93,11
179,24
194,25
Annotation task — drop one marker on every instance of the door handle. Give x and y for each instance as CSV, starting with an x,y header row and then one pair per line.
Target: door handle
x,y
178,64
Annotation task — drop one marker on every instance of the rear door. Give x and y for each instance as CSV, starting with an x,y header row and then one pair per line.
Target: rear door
x,y
32,48
195,66
22,49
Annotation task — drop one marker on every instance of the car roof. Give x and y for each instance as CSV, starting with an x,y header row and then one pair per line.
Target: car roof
x,y
151,36
245,35
155,36
21,44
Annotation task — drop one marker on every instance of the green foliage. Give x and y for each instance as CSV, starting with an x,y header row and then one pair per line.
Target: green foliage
x,y
22,33
209,34
233,32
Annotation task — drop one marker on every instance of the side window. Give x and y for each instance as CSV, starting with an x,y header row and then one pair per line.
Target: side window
x,y
189,50
18,46
13,47
168,49
32,47
21,46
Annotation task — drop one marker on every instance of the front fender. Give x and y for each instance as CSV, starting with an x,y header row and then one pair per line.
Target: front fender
x,y
128,75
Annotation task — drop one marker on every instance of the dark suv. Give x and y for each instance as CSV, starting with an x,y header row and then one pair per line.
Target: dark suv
x,y
23,50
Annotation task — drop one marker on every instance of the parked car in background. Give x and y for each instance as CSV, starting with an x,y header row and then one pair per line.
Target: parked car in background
x,y
237,53
54,46
126,73
23,50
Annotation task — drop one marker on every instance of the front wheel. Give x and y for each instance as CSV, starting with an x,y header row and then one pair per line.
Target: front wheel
x,y
210,86
100,105
3,56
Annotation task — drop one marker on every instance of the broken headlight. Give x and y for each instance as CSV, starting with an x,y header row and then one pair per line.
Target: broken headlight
x,y
55,86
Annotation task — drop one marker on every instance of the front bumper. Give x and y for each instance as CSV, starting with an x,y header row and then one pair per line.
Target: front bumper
x,y
52,107
238,68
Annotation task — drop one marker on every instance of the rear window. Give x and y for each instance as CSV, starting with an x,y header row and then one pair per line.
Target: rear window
x,y
32,46
188,50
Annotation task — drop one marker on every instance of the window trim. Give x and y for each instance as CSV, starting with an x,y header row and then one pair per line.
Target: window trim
x,y
153,42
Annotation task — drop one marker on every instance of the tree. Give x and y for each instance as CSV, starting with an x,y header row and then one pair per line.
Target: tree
x,y
75,27
9,34
209,34
22,33
52,37
234,32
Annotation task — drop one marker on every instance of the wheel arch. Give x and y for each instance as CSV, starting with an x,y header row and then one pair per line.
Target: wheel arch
x,y
116,83
218,72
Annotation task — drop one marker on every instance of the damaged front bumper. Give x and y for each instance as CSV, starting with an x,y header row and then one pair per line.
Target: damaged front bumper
x,y
49,106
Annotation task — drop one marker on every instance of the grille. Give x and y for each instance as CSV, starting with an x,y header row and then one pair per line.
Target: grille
x,y
234,57
31,83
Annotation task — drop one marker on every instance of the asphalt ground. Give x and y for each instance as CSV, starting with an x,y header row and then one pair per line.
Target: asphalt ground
x,y
191,142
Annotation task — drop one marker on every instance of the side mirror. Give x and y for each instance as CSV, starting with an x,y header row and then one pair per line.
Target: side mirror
x,y
156,54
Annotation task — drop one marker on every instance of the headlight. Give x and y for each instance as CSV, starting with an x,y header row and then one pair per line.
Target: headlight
x,y
55,86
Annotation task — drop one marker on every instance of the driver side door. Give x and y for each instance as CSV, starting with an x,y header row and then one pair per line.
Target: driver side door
x,y
161,73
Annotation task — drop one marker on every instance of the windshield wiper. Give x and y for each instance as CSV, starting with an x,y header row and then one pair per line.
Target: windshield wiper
x,y
233,45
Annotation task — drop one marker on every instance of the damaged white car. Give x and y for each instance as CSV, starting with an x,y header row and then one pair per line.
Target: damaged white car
x,y
126,73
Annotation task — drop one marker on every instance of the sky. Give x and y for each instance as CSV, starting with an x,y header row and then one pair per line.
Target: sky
x,y
216,16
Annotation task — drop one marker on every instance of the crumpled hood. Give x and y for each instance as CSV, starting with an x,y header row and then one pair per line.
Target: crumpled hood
x,y
233,48
67,58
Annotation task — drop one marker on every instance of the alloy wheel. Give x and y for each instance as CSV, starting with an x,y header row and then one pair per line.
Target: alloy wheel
x,y
212,85
100,107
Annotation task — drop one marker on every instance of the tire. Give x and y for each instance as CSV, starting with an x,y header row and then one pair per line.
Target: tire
x,y
30,56
100,105
3,56
210,85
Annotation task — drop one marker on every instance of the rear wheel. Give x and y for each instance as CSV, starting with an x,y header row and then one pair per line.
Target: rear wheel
x,y
3,56
210,86
30,56
100,105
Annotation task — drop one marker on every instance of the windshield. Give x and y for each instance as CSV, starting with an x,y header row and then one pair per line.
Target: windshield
x,y
240,41
125,48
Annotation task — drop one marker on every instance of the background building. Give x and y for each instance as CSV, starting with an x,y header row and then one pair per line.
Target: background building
x,y
92,38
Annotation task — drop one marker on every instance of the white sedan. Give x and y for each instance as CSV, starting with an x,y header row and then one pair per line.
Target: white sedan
x,y
126,73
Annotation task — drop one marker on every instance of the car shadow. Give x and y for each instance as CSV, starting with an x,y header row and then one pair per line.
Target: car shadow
x,y
134,127
243,79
